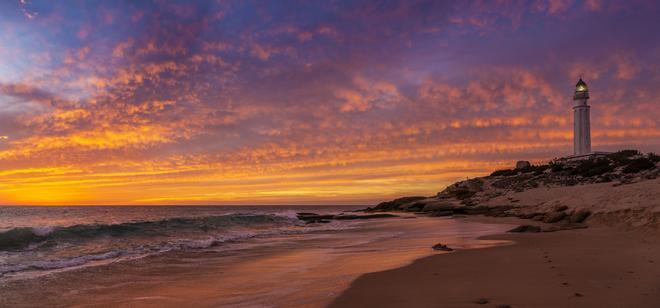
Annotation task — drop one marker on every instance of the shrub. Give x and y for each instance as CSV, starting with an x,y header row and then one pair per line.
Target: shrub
x,y
463,193
557,167
623,156
537,170
593,167
638,165
504,172
653,157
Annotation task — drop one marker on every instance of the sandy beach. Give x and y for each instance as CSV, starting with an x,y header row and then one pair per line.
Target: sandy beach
x,y
594,267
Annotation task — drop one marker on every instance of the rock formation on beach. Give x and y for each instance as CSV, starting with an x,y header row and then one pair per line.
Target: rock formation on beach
x,y
620,189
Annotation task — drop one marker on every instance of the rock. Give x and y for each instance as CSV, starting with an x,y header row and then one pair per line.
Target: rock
x,y
477,210
397,203
314,217
441,213
415,207
579,216
315,221
369,216
442,247
527,215
554,217
561,208
550,229
482,301
572,226
538,217
306,214
441,205
526,229
522,164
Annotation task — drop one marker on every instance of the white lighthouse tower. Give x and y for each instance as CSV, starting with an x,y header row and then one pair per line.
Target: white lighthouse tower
x,y
581,129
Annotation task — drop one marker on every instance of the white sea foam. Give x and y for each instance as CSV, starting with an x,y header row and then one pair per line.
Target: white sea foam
x,y
43,231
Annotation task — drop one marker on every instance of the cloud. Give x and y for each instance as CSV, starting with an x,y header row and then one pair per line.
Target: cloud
x,y
338,102
26,93
30,14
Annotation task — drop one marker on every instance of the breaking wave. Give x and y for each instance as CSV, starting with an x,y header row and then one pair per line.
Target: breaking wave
x,y
21,238
44,249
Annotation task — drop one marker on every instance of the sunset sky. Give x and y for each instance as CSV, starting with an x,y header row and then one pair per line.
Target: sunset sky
x,y
295,102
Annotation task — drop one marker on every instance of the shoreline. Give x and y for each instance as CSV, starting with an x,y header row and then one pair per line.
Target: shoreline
x,y
317,266
594,267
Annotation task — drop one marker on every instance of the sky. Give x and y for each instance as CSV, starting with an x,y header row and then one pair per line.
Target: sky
x,y
308,102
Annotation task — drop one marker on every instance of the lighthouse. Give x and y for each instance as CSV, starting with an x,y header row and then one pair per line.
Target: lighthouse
x,y
581,129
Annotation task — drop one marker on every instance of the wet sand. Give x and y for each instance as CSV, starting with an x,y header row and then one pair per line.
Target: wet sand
x,y
594,267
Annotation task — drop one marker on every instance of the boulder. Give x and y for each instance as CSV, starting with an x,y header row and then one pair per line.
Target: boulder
x,y
522,164
370,216
579,216
441,247
526,229
482,301
538,217
554,217
441,213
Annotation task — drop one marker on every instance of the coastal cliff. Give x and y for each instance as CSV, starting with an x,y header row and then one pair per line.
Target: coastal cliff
x,y
621,189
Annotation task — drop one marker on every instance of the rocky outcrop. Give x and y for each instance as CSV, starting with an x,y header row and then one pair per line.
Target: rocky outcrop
x,y
526,229
554,217
398,204
564,193
316,218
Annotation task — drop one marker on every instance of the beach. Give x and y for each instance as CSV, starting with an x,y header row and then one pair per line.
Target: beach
x,y
383,262
287,264
595,267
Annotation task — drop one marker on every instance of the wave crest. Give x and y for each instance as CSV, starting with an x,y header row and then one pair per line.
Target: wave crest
x,y
23,237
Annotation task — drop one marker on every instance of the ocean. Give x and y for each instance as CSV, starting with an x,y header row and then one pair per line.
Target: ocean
x,y
208,255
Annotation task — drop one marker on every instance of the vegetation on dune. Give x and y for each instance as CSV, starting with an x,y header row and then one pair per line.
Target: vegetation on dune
x,y
504,172
593,167
628,161
653,157
639,164
623,156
